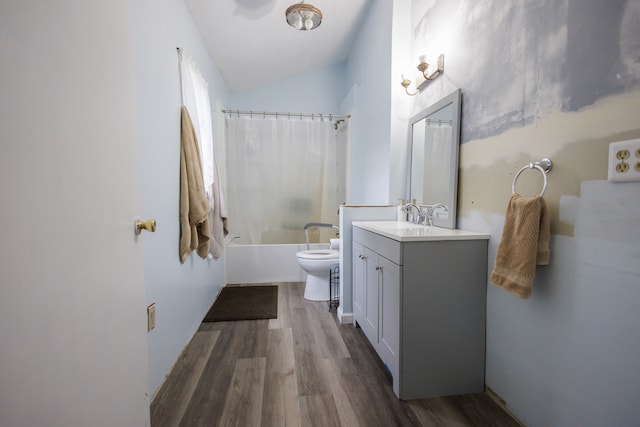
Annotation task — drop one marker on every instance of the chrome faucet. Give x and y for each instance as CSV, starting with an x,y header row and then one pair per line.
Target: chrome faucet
x,y
432,209
408,207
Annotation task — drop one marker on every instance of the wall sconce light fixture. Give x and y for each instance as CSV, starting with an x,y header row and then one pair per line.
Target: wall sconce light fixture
x,y
423,67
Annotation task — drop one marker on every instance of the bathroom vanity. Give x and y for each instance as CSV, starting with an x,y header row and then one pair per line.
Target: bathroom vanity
x,y
419,295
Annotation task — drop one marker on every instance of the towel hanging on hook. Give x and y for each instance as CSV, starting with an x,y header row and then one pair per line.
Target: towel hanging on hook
x,y
544,166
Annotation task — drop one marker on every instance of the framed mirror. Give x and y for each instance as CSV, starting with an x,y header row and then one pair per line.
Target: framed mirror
x,y
432,175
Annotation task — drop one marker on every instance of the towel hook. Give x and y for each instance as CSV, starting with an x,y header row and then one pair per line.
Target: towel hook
x,y
544,166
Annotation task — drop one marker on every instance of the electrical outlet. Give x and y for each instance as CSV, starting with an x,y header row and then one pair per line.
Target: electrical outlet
x,y
624,160
151,317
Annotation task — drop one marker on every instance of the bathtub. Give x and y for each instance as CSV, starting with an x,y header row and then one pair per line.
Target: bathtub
x,y
265,263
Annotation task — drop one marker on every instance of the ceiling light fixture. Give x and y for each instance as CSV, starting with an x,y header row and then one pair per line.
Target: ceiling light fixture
x,y
423,66
303,16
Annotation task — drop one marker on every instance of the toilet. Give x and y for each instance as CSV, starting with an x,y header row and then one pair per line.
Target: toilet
x,y
318,263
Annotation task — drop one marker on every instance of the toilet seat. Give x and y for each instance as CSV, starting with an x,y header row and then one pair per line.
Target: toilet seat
x,y
317,263
319,254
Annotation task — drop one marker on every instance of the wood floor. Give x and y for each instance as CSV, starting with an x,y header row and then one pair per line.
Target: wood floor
x,y
301,369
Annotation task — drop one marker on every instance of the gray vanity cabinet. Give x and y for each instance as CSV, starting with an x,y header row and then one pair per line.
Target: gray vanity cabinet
x,y
367,298
376,301
359,265
422,305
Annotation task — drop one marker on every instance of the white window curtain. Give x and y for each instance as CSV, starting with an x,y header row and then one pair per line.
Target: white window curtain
x,y
195,96
281,174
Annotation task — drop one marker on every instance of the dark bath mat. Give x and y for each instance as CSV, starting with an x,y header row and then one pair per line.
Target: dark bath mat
x,y
244,303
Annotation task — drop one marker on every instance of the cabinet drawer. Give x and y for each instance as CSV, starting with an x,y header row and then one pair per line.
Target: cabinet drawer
x,y
384,246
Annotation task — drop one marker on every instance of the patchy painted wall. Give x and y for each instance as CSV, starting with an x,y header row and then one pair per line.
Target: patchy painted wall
x,y
558,79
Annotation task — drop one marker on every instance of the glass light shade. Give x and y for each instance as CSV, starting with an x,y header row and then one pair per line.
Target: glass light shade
x,y
303,16
308,24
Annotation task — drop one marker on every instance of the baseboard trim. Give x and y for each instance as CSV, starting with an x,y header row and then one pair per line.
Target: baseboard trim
x,y
344,318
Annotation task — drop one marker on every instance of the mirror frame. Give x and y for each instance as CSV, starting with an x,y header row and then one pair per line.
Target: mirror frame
x,y
455,100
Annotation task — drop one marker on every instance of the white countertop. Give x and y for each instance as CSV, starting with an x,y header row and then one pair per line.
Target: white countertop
x,y
403,231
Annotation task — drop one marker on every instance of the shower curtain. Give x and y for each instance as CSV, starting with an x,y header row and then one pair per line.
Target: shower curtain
x,y
281,174
437,158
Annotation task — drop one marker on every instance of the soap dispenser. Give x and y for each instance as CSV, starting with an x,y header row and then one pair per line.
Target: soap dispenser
x,y
401,215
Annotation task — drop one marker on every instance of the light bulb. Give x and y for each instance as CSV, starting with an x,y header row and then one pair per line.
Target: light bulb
x,y
308,24
298,22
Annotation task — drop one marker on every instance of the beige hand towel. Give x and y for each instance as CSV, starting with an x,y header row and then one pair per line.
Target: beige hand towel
x,y
194,207
524,243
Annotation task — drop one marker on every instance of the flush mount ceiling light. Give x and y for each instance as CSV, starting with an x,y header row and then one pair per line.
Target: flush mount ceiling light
x,y
303,16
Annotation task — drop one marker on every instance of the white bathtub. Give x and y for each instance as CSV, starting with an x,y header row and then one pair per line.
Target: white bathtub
x,y
265,263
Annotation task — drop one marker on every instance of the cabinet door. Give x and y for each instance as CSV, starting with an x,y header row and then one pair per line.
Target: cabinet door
x,y
370,323
359,278
390,278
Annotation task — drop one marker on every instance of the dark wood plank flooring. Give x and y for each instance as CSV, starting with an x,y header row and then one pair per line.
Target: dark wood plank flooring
x,y
301,369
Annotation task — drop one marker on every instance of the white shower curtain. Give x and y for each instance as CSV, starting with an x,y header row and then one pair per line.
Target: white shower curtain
x,y
281,174
437,160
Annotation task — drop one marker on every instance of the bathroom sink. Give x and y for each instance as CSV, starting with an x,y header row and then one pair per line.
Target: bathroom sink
x,y
406,231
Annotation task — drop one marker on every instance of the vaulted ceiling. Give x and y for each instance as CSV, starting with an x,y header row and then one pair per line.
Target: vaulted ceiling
x,y
252,44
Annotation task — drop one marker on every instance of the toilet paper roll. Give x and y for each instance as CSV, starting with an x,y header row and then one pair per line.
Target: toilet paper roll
x,y
334,244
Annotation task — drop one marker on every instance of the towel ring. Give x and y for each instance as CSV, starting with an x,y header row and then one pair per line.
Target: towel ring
x,y
544,166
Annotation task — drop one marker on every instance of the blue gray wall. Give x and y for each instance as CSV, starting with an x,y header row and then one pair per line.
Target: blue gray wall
x,y
558,79
368,76
182,292
319,91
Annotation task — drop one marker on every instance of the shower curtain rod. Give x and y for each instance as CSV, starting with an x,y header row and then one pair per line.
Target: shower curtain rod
x,y
439,121
288,115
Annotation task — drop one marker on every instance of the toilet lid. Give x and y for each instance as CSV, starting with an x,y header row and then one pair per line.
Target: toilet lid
x,y
319,254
